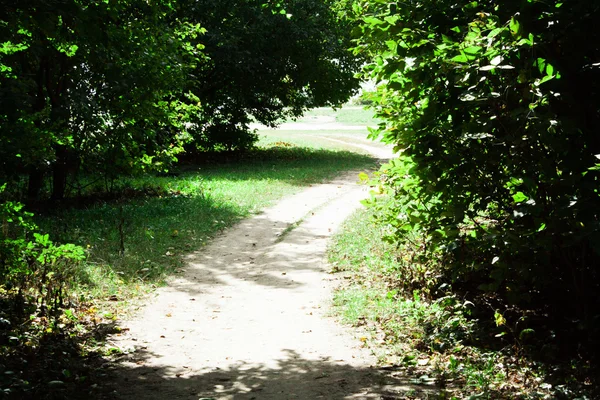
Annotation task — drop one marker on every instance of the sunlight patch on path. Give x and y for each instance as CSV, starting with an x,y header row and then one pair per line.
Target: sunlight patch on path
x,y
249,298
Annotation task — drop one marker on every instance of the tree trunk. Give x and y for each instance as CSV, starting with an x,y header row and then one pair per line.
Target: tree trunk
x,y
36,181
59,173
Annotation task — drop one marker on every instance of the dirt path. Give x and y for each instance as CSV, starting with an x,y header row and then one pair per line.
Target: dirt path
x,y
248,319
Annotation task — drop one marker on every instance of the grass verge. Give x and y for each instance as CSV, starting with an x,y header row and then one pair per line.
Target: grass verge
x,y
436,342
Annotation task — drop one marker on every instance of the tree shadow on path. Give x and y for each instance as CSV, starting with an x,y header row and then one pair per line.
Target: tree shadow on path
x,y
289,377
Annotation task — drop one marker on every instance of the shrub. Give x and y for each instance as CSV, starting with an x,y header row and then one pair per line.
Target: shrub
x,y
32,267
495,107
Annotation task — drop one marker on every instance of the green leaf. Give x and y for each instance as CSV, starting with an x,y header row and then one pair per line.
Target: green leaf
x,y
462,58
515,26
495,32
473,50
373,21
447,40
520,197
499,319
392,45
468,54
544,80
541,65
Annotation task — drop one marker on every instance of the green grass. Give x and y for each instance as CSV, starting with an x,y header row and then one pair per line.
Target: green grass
x,y
319,140
157,221
182,213
349,115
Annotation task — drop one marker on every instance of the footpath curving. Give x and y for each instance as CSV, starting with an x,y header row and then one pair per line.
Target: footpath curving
x,y
248,318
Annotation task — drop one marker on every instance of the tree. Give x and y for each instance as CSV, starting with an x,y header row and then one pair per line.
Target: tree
x,y
268,62
121,85
92,83
495,109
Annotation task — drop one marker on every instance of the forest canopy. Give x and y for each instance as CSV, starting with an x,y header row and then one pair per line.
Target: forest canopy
x,y
117,86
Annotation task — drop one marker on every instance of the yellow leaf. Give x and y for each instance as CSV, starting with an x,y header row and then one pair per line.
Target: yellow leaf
x,y
500,320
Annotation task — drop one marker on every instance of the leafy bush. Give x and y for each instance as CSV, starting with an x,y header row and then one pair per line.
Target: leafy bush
x,y
32,267
495,107
220,137
437,340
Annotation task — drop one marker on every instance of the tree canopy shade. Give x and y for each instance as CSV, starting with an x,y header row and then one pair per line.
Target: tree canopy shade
x,y
268,61
121,85
495,107
93,83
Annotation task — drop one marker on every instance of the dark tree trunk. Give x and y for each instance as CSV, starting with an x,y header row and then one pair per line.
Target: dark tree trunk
x,y
60,173
36,174
36,181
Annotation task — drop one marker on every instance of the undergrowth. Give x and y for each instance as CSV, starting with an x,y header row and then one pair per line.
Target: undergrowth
x,y
416,323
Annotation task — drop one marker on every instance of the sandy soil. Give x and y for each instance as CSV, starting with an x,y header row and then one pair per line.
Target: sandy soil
x,y
248,319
